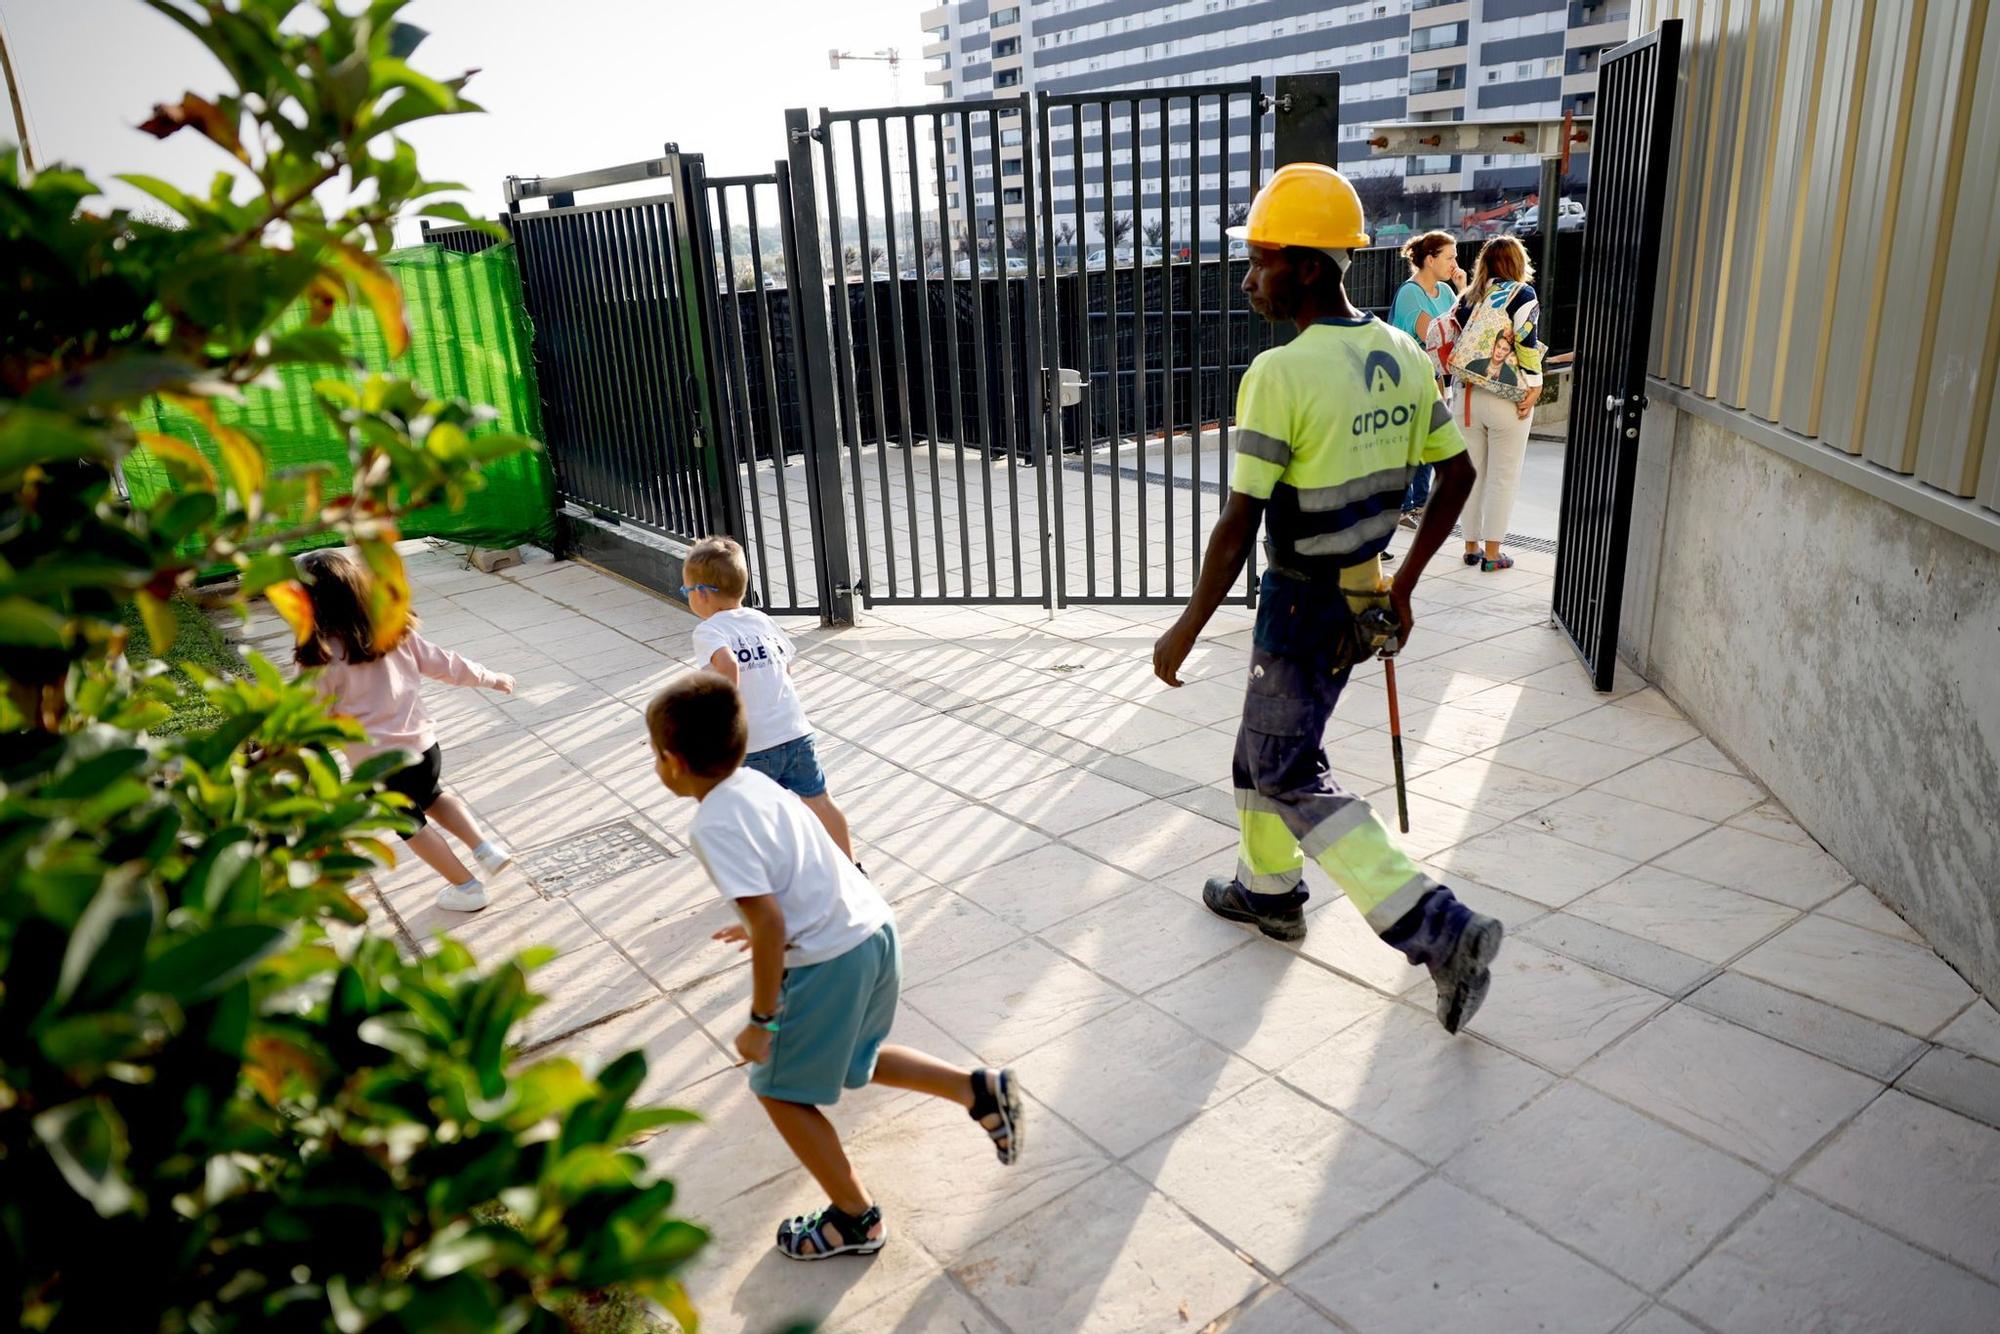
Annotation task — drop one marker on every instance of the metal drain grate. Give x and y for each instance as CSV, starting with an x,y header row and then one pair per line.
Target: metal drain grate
x,y
591,858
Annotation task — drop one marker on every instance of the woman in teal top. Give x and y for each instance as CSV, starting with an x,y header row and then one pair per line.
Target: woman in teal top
x,y
1429,293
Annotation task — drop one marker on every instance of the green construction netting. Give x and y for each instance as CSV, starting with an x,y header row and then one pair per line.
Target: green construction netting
x,y
469,338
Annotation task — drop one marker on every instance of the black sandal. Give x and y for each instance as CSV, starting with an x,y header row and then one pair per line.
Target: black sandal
x,y
998,1093
798,1233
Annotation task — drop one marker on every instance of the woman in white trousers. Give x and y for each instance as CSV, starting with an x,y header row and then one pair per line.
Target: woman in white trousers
x,y
1498,358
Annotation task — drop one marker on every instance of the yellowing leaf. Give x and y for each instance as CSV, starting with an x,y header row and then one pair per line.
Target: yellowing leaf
x,y
161,627
388,590
674,1298
323,294
295,605
272,1063
244,458
176,452
378,288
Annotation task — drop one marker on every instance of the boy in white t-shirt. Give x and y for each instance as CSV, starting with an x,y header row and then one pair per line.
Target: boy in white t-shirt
x,y
743,645
825,966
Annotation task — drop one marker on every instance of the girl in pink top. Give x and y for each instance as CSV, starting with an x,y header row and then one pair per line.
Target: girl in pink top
x,y
383,691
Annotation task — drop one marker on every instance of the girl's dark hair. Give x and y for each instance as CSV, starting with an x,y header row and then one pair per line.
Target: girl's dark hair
x,y
337,582
1420,248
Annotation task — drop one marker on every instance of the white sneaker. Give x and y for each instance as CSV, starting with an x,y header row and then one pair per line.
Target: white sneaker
x,y
468,897
493,856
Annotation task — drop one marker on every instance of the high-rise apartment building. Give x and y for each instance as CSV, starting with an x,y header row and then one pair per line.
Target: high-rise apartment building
x,y
1398,60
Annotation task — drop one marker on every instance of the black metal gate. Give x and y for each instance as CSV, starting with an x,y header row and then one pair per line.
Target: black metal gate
x,y
1151,318
1634,134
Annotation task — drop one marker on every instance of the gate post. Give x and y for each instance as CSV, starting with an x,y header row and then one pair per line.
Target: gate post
x,y
695,252
807,281
1308,119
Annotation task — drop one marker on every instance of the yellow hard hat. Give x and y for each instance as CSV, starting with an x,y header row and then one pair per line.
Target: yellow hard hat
x,y
1305,204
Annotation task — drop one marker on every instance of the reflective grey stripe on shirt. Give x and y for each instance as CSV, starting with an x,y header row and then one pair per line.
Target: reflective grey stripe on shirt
x,y
1351,538
1320,499
1266,447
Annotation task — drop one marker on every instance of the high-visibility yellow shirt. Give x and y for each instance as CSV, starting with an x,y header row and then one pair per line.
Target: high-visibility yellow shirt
x,y
1329,429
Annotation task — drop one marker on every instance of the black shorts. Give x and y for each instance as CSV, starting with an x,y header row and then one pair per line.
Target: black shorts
x,y
422,783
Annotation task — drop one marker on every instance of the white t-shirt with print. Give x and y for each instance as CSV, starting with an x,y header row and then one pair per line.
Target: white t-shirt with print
x,y
762,653
753,838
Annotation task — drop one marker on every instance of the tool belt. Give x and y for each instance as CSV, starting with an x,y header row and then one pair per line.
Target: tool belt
x,y
1370,625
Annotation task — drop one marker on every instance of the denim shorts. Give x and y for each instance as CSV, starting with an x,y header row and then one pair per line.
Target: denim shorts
x,y
793,766
834,1018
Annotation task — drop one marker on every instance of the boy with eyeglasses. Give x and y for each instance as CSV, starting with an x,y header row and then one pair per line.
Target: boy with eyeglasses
x,y
745,647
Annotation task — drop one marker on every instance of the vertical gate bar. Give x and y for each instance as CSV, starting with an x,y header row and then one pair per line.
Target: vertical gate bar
x,y
1139,375
742,445
539,292
1110,170
696,243
981,380
1052,353
1196,398
773,417
1256,184
611,368
901,357
1087,409
874,355
1035,349
1167,337
1010,437
680,371
949,265
631,342
576,279
818,407
651,221
850,377
920,262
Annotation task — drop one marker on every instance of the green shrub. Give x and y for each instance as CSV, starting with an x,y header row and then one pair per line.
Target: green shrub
x,y
224,1105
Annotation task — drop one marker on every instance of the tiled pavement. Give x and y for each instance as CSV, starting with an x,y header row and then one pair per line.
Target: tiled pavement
x,y
1717,1085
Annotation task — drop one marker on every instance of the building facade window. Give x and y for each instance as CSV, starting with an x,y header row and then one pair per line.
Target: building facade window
x,y
1011,195
1007,78
1000,18
1007,46
1436,39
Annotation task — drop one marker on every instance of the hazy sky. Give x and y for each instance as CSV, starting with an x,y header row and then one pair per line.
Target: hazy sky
x,y
567,84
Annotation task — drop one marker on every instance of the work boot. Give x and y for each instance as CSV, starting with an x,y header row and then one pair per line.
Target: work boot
x,y
1279,916
1463,977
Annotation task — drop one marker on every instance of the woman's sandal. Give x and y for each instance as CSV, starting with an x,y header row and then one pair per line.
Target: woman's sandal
x,y
803,1237
1472,558
997,1094
1501,562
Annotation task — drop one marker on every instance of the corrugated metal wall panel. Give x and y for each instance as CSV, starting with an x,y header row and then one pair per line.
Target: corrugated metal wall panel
x,y
1694,149
1665,291
1744,243
1799,98
1953,389
1911,278
1729,79
1861,316
1832,143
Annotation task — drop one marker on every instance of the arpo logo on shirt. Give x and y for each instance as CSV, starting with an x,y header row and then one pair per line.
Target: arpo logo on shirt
x,y
749,655
1380,366
1381,419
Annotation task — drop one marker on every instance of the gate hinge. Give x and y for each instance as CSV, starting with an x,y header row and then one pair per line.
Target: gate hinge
x,y
813,134
1282,102
848,590
699,443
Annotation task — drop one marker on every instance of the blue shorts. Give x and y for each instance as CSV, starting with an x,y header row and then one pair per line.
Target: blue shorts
x,y
833,1019
793,766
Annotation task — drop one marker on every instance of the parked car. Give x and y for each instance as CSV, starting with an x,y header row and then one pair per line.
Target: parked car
x,y
1016,266
1569,217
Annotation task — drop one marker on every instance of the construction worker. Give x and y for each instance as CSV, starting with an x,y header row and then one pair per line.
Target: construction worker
x,y
1329,428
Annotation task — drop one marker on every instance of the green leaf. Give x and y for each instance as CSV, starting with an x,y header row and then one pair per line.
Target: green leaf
x,y
87,1141
93,775
171,195
213,750
227,872
201,966
273,567
404,39
107,947
308,345
25,624
162,626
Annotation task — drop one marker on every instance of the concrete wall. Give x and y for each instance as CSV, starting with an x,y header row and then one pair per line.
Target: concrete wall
x,y
1845,651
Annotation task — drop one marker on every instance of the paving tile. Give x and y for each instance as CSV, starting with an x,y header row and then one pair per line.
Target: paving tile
x,y
988,770
1340,938
939,930
1965,1084
1440,1258
1367,758
1129,1076
1013,1000
1556,1011
1572,759
1144,938
916,744
1976,1031
1124,728
939,1181
1841,1036
517,920
1201,755
1570,678
1927,1174
1652,966
1771,821
1274,1311
1691,916
1041,888
1690,789
678,1053
1489,789
1465,731
1704,753
1597,819
1640,1199
959,842
580,987
1107,1275
1799,1267
1860,907
1760,1099
1659,1320
897,802
1766,867
1157,839
1399,1074
1266,1004
1633,729
1525,708
1276,1173
1434,825
732,1149
679,949
1535,865
1067,801
1877,976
